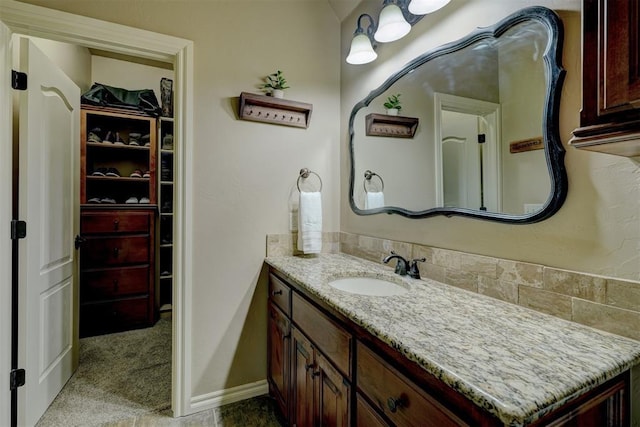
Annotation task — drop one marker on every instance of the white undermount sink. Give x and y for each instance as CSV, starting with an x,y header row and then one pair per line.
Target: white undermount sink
x,y
369,286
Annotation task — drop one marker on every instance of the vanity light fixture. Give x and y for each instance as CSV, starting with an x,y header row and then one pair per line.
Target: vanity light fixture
x,y
422,7
395,21
361,51
392,24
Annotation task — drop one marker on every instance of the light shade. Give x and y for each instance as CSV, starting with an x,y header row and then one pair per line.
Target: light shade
x,y
422,7
361,50
392,25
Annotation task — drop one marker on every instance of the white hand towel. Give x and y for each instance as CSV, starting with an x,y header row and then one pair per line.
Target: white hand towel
x,y
374,199
310,222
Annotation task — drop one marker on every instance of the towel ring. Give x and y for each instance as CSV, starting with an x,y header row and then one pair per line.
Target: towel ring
x,y
367,177
304,174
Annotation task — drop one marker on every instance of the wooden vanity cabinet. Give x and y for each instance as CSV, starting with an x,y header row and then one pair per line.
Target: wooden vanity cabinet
x,y
325,370
309,361
279,348
610,115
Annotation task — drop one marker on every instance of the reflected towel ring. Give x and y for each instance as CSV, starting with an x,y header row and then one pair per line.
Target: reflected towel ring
x,y
367,177
304,174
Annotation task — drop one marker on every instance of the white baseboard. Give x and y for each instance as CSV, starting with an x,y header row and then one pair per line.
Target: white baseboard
x,y
230,395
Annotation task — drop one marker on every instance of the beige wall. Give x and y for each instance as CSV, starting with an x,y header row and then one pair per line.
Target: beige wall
x,y
243,171
598,228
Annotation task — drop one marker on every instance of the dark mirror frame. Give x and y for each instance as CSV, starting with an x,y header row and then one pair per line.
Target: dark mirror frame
x,y
554,151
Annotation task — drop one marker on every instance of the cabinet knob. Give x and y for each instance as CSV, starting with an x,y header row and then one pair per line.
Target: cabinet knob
x,y
316,373
116,224
394,404
278,292
308,366
116,252
115,285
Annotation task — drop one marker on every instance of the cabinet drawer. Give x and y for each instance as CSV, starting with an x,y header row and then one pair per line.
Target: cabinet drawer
x,y
333,341
366,416
106,251
113,283
114,222
280,294
113,316
404,403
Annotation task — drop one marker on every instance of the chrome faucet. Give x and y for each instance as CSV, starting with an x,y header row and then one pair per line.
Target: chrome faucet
x,y
401,264
404,267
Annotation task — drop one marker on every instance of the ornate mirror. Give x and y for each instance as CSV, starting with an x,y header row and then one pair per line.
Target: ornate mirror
x,y
477,133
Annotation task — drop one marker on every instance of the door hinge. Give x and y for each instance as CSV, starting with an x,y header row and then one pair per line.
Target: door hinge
x,y
18,229
482,138
17,378
18,80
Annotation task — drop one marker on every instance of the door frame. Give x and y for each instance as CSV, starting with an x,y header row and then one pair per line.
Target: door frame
x,y
30,20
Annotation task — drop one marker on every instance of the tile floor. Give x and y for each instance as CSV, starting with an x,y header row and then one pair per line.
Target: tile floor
x,y
256,412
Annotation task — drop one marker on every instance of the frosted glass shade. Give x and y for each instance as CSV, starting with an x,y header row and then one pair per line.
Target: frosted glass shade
x,y
422,7
392,25
361,50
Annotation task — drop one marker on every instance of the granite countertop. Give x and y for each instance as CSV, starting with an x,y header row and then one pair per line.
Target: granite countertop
x,y
516,363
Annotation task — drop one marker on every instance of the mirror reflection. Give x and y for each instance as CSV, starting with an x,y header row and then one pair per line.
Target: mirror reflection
x,y
485,143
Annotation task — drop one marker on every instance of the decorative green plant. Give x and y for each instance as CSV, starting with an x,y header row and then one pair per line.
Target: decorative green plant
x,y
274,81
393,102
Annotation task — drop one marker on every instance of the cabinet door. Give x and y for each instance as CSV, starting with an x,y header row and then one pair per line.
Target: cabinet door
x,y
332,392
302,380
279,344
611,78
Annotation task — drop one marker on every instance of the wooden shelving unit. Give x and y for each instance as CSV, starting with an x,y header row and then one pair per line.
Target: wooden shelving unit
x,y
166,204
118,238
125,158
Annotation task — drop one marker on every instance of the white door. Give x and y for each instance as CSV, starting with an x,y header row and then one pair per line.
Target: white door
x,y
49,135
461,161
6,94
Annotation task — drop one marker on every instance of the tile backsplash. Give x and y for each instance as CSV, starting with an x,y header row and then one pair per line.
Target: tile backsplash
x,y
604,303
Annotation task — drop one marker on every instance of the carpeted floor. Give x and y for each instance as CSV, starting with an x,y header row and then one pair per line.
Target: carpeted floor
x,y
124,380
121,376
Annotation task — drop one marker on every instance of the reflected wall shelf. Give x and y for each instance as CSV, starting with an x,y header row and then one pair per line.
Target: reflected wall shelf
x,y
277,111
390,126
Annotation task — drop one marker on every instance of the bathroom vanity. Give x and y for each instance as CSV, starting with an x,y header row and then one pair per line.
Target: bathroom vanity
x,y
432,355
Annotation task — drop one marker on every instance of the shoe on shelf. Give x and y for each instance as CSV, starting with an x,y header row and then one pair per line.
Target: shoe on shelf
x,y
167,142
166,206
94,200
113,172
146,140
145,200
165,273
136,174
108,139
107,200
134,138
100,172
94,135
132,200
119,140
146,174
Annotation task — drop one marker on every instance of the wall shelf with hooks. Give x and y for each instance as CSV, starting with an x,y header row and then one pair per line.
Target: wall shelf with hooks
x,y
267,109
390,126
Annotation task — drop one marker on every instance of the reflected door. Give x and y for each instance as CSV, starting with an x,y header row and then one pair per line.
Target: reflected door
x,y
461,161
